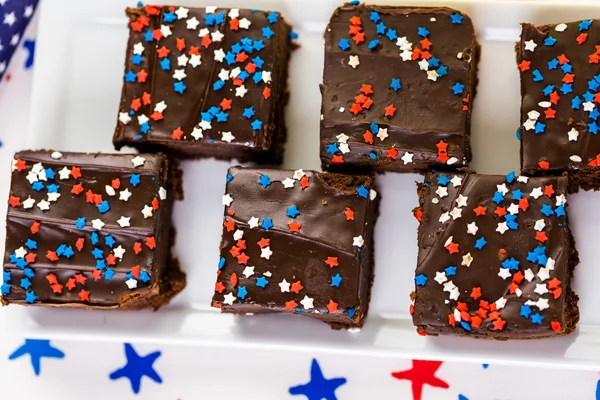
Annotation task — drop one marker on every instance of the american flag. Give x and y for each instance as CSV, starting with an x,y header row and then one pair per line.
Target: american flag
x,y
14,17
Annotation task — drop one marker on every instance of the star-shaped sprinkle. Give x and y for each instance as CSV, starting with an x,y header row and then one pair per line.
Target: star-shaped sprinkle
x,y
227,200
119,252
407,158
307,302
266,252
124,221
472,228
467,259
358,241
530,45
138,161
147,211
124,195
353,61
227,137
537,192
288,183
284,286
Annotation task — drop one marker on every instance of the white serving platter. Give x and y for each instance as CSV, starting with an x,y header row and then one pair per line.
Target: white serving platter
x,y
78,76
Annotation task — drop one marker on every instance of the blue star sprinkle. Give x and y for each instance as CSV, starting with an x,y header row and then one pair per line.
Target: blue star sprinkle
x,y
549,41
344,44
375,16
396,85
273,17
318,387
32,244
179,87
30,297
292,212
458,88
451,270
552,64
264,181
422,31
421,280
480,243
537,76
584,25
130,77
242,292
248,112
136,368
262,282
37,349
332,148
256,124
135,179
456,18
336,280
373,44
547,210
267,224
267,32
537,318
362,191
525,311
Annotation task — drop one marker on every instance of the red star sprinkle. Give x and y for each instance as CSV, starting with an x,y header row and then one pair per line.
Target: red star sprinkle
x,y
51,279
304,182
241,244
568,78
97,274
116,183
180,44
422,373
177,134
71,284
234,251
332,262
225,104
142,76
264,242
355,20
359,37
14,201
349,214
366,89
89,196
76,172
390,110
146,98
581,38
476,293
356,108
479,211
79,244
290,305
548,190
419,214
57,288
518,278
157,34
111,259
219,287
77,189
544,164
368,136
229,224
554,283
294,226
367,104
452,248
442,146
155,204
137,247
84,295
241,57
50,255
35,227
594,58
550,113
555,326
425,44
79,278
20,165
332,306
392,153
30,257
500,211
562,59
499,324
233,280
541,237
337,159
554,97
135,271
297,287
267,93
525,65
243,259
234,24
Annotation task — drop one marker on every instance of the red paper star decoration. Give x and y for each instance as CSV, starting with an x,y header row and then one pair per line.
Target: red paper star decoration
x,y
422,373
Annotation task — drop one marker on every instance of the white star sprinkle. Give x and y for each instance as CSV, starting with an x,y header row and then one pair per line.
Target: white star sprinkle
x,y
440,277
244,23
182,60
406,55
227,200
124,195
522,179
266,252
423,65
227,137
543,274
472,228
266,76
540,288
43,205
353,61
124,221
502,188
138,161
550,263
560,27
234,13
238,234
533,114
542,304
530,45
179,74
461,201
513,209
298,174
588,106
197,133
442,191
456,213
529,275
561,199
358,241
500,303
248,272
537,192
97,224
241,91
504,273
216,36
288,183
53,196
502,227
195,60
181,12
119,252
192,23
407,158
539,225
219,55
253,222
28,203
307,302
432,75
211,9
529,124
456,181
147,211
124,118
229,298
138,48
467,259
165,30
573,134
382,134
445,217
20,252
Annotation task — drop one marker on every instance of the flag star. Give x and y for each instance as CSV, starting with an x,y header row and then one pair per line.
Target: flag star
x,y
467,259
241,91
353,61
513,209
502,188
227,199
10,19
124,118
229,298
2,64
407,157
266,252
530,45
445,217
182,60
540,288
307,302
472,228
227,137
288,183
461,200
248,272
195,60
543,274
298,174
358,241
192,23
504,273
28,203
197,133
138,161
244,23
382,134
284,285
179,74
456,213
537,192
219,55
20,252
573,134
28,11
97,224
64,173
217,36
440,277
442,191
502,227
124,221
53,196
147,211
182,13
529,124
529,275
253,222
119,252
138,48
124,195
165,30
43,205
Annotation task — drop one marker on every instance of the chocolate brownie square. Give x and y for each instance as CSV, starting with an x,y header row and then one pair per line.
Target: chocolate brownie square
x,y
397,89
560,81
205,82
495,257
90,230
298,242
